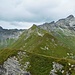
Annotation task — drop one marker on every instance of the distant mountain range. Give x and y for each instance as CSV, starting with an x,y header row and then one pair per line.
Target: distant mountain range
x,y
8,36
47,49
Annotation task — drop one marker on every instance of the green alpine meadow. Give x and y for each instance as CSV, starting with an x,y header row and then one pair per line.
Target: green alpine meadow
x,y
46,49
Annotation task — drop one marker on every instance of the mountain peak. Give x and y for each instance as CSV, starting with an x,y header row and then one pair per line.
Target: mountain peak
x,y
33,27
1,28
70,17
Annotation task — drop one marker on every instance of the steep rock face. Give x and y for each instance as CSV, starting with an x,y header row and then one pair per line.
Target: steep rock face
x,y
11,33
2,70
12,67
1,29
7,37
48,26
65,23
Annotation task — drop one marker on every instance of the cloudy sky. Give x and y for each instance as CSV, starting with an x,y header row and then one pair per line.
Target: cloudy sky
x,y
22,14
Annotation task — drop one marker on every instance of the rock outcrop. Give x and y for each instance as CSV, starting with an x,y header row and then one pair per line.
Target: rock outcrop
x,y
12,67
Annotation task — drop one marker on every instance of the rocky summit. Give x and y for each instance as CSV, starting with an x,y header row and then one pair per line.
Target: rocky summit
x,y
47,49
65,23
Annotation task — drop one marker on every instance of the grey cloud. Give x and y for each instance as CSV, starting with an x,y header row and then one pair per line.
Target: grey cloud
x,y
30,10
15,24
35,11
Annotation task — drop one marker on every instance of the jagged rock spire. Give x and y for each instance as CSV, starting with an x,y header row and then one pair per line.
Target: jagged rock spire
x,y
70,17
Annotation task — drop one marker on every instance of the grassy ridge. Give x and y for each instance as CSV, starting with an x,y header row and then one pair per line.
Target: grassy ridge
x,y
41,51
46,45
68,41
6,53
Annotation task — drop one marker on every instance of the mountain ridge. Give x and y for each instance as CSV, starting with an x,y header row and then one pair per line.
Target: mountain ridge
x,y
48,49
67,23
8,36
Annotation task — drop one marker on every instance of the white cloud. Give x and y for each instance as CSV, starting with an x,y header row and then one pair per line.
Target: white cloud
x,y
15,25
26,12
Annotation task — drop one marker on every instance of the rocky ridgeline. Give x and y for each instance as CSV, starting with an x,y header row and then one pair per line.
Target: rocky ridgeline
x,y
9,33
13,66
66,23
8,36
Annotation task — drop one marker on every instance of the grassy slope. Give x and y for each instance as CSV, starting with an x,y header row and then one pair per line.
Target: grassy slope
x,y
6,53
6,43
42,64
68,41
46,45
40,59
